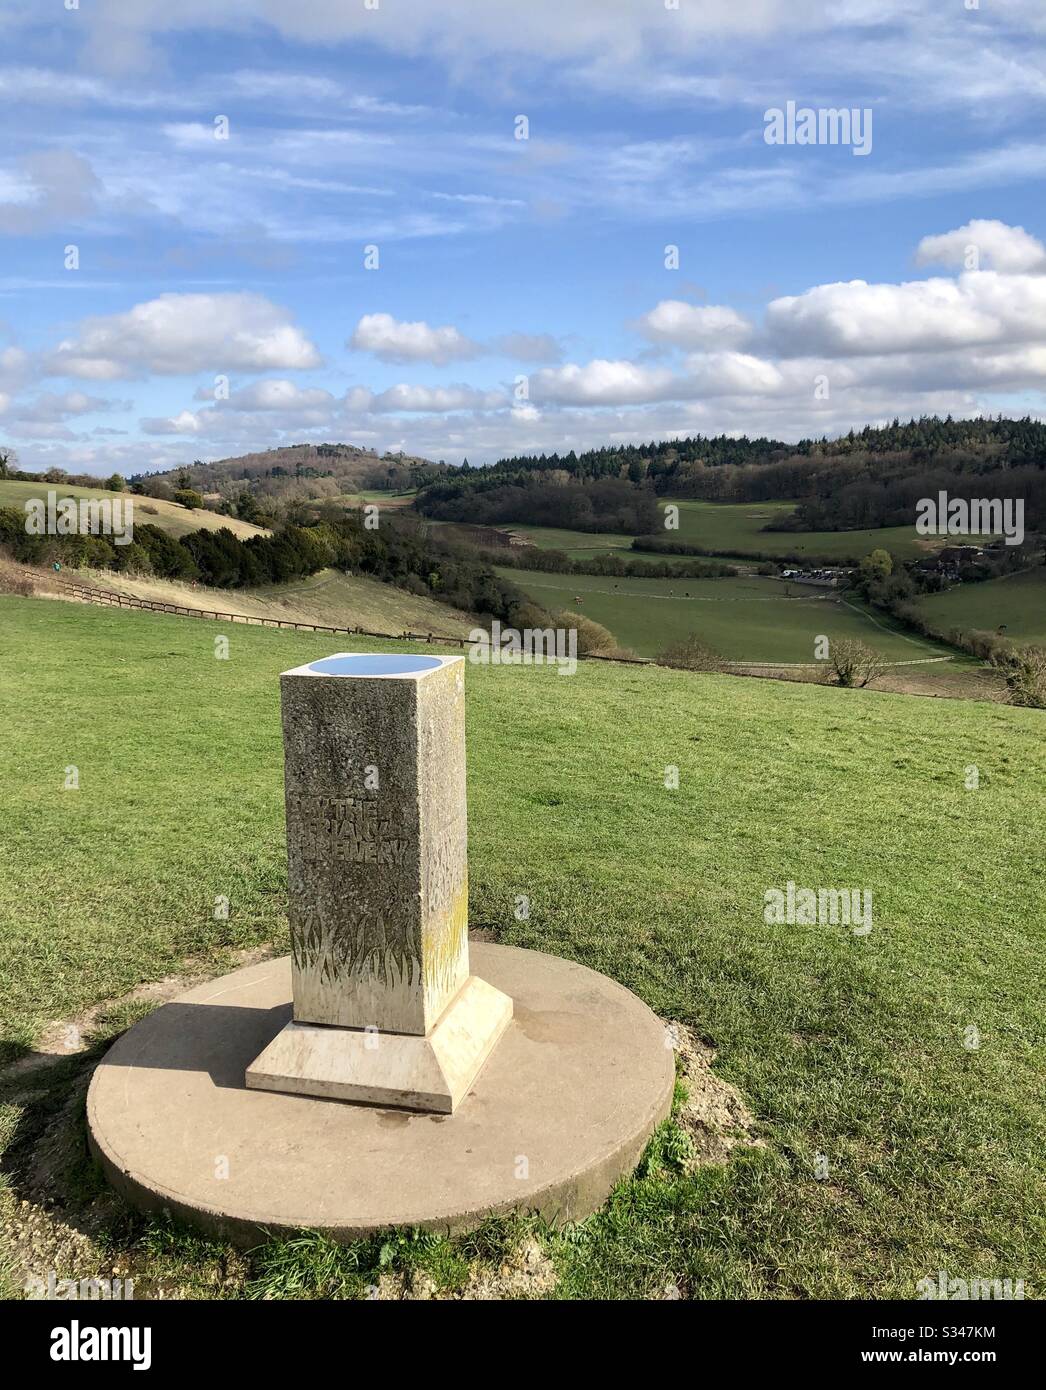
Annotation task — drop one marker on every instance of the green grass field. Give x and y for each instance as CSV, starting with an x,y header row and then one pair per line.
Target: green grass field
x,y
852,1048
585,545
1016,600
744,619
573,542
738,526
170,516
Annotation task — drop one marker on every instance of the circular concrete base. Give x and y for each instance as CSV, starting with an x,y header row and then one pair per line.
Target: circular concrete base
x,y
561,1110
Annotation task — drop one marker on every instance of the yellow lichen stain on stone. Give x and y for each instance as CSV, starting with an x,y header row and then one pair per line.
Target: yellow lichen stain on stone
x,y
444,949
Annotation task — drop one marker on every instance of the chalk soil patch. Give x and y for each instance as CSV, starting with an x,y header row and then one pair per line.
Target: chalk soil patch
x,y
714,1113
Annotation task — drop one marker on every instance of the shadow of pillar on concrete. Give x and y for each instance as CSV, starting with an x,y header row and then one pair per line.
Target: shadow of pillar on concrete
x,y
218,1039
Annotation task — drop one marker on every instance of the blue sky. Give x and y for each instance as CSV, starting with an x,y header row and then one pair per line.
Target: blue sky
x,y
521,299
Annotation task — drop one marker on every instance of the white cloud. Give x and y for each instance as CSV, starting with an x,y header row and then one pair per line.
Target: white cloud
x,y
393,340
309,91
273,395
180,334
183,423
460,29
432,399
50,406
14,367
705,376
684,325
38,429
984,244
603,382
39,86
486,435
856,318
480,199
734,374
193,135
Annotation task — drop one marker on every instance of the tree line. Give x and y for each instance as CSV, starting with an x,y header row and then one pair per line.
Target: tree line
x,y
601,504
397,552
852,499
1014,441
613,566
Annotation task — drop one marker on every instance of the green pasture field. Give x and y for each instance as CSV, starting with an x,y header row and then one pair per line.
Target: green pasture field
x,y
895,1141
745,619
1016,602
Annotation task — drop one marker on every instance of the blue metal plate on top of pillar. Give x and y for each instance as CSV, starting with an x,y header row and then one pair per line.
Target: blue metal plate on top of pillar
x,y
374,664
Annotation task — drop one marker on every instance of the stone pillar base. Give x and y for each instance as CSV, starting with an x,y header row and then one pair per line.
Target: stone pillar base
x,y
403,1070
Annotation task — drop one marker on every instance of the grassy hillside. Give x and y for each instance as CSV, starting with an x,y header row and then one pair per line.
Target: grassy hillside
x,y
178,520
575,543
1016,600
385,499
744,619
853,1049
329,598
739,527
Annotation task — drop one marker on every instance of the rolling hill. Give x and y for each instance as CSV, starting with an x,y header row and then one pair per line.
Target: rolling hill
x,y
300,473
1015,603
171,516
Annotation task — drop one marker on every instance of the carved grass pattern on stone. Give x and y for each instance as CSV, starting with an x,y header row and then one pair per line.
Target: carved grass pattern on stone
x,y
353,830
364,950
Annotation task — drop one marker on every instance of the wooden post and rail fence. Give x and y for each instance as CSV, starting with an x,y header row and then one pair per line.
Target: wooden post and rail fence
x,y
111,599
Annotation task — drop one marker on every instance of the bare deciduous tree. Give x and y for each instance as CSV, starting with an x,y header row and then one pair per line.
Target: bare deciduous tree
x,y
852,663
1025,671
691,654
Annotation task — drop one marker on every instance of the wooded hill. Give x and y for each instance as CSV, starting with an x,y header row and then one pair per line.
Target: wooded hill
x,y
870,477
295,473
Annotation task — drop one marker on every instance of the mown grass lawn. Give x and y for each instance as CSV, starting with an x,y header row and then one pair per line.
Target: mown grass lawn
x,y
852,1048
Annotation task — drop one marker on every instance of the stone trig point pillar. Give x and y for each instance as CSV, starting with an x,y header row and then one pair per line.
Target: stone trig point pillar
x,y
385,1010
